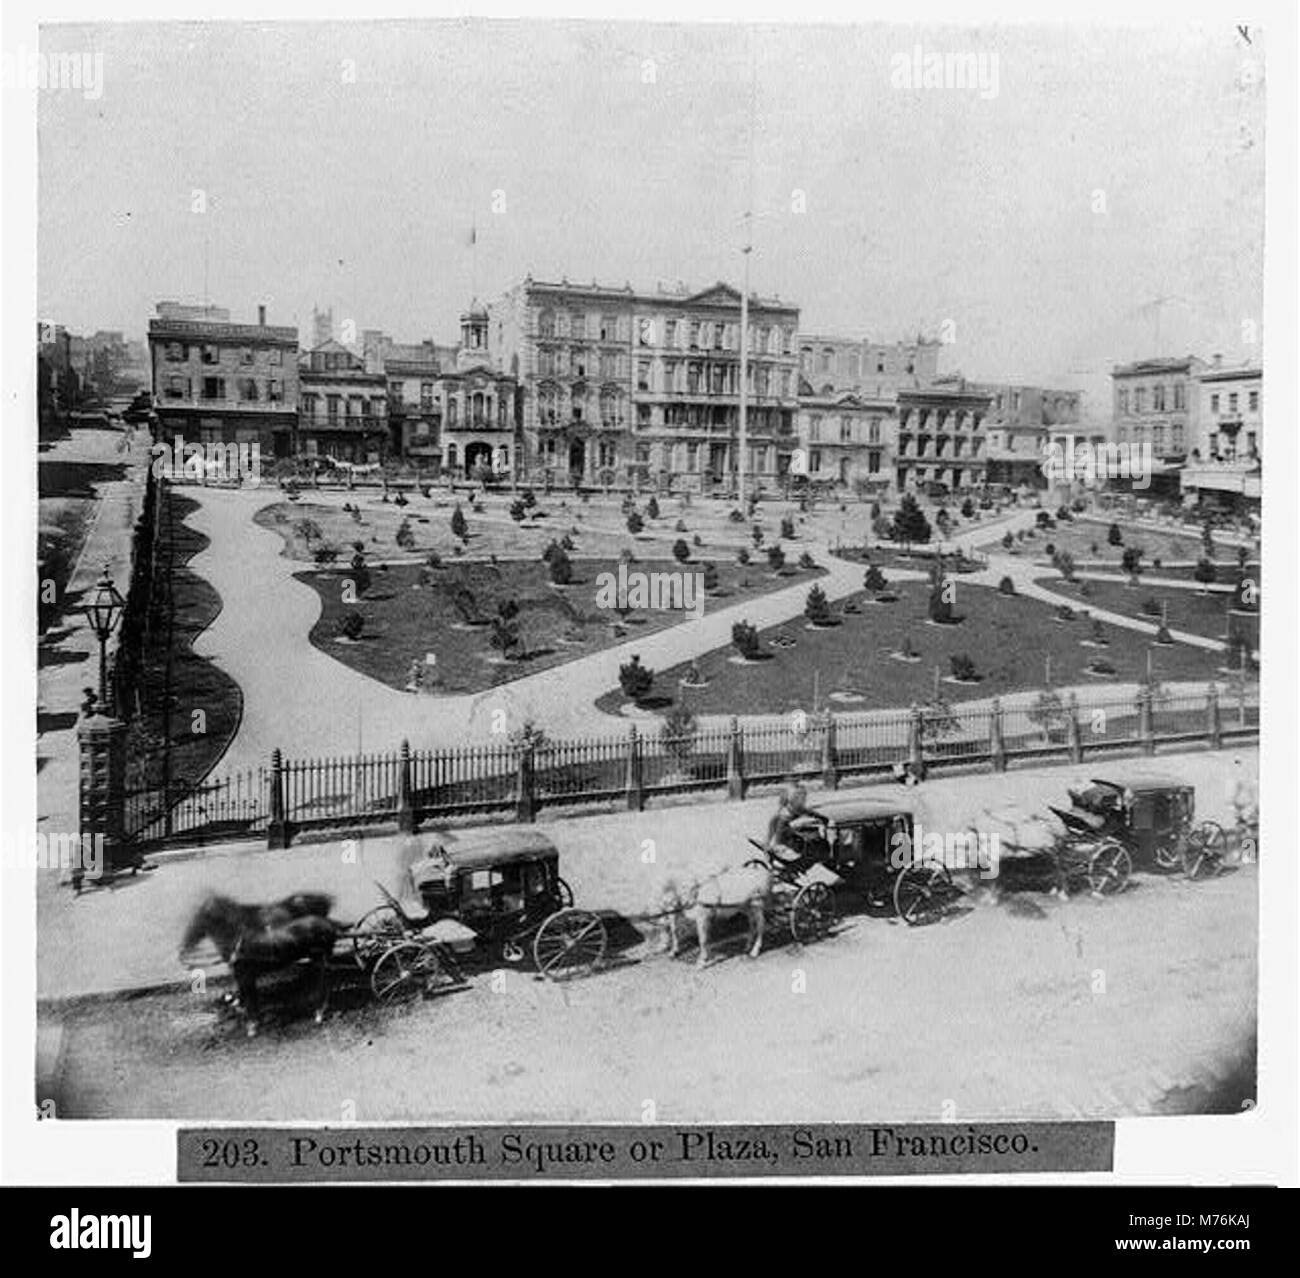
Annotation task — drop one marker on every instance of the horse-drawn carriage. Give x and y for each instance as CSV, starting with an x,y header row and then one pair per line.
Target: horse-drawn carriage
x,y
1151,816
498,890
869,845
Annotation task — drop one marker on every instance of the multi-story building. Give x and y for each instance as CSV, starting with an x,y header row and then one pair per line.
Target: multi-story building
x,y
220,382
450,406
1155,402
1022,420
619,383
847,438
941,436
343,406
831,365
1225,467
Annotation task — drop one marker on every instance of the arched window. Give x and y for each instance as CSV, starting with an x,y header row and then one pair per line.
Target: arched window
x,y
546,324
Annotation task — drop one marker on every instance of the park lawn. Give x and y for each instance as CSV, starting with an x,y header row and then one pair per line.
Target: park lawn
x,y
596,526
410,611
1009,638
1188,610
1078,538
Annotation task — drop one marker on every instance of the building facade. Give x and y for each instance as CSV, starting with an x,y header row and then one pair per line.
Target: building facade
x,y
219,382
1226,465
847,438
1155,402
343,406
619,384
832,365
1021,422
941,436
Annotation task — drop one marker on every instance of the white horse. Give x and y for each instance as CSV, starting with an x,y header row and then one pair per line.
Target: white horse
x,y
735,890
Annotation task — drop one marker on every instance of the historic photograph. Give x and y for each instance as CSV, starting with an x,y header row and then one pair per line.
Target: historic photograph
x,y
625,572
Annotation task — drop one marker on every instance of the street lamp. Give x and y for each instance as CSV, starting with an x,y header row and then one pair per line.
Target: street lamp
x,y
103,611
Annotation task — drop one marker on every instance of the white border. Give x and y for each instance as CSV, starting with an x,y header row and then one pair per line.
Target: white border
x,y
1255,1148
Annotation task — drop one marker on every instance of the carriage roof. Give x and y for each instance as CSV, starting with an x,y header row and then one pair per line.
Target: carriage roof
x,y
854,807
482,849
1140,782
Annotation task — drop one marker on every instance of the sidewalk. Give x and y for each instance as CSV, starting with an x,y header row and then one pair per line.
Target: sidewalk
x,y
117,939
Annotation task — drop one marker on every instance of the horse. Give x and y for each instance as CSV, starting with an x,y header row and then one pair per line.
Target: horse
x,y
255,939
735,890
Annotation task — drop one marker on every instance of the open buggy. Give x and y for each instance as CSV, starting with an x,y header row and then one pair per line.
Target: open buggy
x,y
868,844
1153,818
494,893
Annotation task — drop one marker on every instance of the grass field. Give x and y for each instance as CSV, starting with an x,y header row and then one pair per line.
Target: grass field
x,y
409,611
850,666
1188,610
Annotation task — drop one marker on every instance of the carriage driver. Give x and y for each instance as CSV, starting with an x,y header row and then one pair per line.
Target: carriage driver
x,y
792,806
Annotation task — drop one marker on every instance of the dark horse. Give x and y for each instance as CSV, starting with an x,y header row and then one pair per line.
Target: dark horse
x,y
256,939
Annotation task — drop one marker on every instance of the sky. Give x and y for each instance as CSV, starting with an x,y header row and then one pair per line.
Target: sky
x,y
1105,202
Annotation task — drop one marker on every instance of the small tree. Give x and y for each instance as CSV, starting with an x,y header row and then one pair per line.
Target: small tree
x,y
787,527
1006,586
744,638
680,526
652,508
1132,560
351,625
710,576
1205,573
518,511
968,509
505,634
561,568
1114,536
678,735
775,558
1008,540
874,580
459,528
635,523
816,609
910,524
1065,564
742,555
635,679
1207,539
681,551
1151,608
360,574
756,534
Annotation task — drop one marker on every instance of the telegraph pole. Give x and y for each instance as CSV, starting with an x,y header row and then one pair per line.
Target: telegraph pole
x,y
746,250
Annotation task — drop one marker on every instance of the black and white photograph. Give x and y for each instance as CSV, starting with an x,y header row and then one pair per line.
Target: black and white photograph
x,y
651,572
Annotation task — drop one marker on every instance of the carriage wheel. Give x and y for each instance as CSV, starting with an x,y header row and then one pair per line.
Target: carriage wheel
x,y
921,892
1169,853
405,970
1204,850
1109,868
569,943
563,893
813,913
374,932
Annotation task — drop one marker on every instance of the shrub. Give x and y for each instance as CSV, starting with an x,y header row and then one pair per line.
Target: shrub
x,y
963,667
756,533
787,527
307,529
459,528
434,559
326,554
1006,586
1044,520
1063,514
1151,608
1099,632
968,509
400,499
1099,665
426,491
635,523
652,508
505,633
561,568
775,558
1205,572
518,511
1114,536
697,540
529,498
710,571
874,580
1162,634
351,625
736,517
1008,540
816,609
1132,560
807,561
742,555
681,551
745,640
680,526
1064,612
1064,562
1050,551
635,680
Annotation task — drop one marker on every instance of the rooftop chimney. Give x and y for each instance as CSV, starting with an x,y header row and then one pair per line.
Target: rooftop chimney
x,y
261,317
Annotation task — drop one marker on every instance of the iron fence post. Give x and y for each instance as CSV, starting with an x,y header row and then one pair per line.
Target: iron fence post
x,y
735,762
1214,724
406,819
277,829
830,756
997,743
635,793
1072,733
1146,720
525,801
915,753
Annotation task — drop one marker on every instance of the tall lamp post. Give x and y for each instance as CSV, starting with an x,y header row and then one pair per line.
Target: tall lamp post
x,y
101,739
103,612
